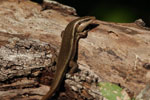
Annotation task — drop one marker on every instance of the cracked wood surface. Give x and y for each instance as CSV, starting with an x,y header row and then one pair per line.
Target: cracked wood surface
x,y
30,37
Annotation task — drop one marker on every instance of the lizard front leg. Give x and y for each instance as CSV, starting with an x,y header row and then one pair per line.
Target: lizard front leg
x,y
83,34
73,67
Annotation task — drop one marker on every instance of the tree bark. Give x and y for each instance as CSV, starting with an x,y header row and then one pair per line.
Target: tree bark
x,y
30,39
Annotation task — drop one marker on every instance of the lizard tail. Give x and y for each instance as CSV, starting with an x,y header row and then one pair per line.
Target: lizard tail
x,y
49,95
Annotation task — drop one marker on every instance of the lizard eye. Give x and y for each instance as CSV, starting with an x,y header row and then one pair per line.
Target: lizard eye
x,y
82,27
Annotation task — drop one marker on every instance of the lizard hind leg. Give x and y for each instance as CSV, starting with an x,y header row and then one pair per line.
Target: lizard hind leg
x,y
54,62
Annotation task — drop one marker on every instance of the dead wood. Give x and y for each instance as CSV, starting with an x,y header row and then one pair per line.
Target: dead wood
x,y
30,37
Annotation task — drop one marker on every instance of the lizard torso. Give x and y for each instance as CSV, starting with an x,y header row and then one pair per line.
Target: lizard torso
x,y
68,51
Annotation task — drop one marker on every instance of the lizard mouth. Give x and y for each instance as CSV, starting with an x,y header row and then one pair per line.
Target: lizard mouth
x,y
86,24
90,27
87,28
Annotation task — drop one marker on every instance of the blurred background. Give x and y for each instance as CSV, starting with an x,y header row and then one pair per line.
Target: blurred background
x,y
123,11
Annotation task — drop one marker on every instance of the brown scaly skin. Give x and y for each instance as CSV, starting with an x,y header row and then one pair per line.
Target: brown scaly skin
x,y
68,54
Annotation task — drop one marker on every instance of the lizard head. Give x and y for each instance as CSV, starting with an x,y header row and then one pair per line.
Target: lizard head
x,y
83,22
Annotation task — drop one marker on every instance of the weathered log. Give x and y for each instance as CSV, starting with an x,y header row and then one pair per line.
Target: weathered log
x,y
30,37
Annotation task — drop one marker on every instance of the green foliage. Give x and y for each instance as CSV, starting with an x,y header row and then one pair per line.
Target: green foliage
x,y
111,91
114,14
133,99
